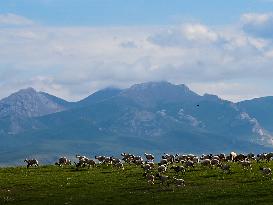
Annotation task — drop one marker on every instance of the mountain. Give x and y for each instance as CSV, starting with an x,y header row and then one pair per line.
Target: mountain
x,y
17,109
261,109
98,96
153,117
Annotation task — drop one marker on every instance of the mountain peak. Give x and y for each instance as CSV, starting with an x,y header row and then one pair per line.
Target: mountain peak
x,y
29,103
150,93
27,90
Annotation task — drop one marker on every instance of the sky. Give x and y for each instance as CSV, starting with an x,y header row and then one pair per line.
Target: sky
x,y
72,48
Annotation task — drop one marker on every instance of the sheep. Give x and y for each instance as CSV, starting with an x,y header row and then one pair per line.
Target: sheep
x,y
169,157
232,156
225,167
245,164
162,169
206,162
119,166
215,162
203,157
150,178
179,182
149,157
189,164
31,162
222,157
195,159
107,160
63,161
146,167
163,179
138,162
100,158
90,163
116,160
127,157
163,161
266,171
180,158
178,169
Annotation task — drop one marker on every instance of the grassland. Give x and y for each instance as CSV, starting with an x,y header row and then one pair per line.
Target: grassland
x,y
107,185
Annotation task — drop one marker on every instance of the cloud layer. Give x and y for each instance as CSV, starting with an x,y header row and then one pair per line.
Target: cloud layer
x,y
233,61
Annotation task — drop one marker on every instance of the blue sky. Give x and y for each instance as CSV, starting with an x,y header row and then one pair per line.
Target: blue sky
x,y
131,12
71,48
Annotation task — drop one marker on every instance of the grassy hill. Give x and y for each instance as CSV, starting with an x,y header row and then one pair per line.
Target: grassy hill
x,y
107,185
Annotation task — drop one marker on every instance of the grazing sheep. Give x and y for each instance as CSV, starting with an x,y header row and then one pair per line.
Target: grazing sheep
x,y
150,178
128,158
138,162
206,162
169,157
215,162
100,158
180,158
63,161
147,167
31,162
163,179
162,169
149,157
189,164
163,161
115,160
246,164
225,167
195,159
179,182
90,163
222,157
232,156
107,160
266,171
152,164
178,169
119,166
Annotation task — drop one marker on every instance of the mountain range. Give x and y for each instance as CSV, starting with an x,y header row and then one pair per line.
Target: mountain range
x,y
148,117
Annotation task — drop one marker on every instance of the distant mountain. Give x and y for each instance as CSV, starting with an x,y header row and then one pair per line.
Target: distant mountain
x,y
16,109
153,116
98,96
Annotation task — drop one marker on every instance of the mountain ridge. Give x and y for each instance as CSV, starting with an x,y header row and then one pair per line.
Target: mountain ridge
x,y
151,116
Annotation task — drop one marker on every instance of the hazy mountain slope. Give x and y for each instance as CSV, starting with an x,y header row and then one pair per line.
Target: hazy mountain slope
x,y
260,109
98,97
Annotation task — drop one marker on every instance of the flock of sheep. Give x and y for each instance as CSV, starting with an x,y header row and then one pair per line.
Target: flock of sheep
x,y
178,163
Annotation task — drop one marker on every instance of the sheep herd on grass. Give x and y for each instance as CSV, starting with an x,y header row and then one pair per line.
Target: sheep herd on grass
x,y
179,164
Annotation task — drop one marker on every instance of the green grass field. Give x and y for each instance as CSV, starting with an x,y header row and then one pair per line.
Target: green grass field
x,y
107,185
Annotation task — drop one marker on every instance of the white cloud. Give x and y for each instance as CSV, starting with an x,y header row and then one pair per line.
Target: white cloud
x,y
72,62
10,19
